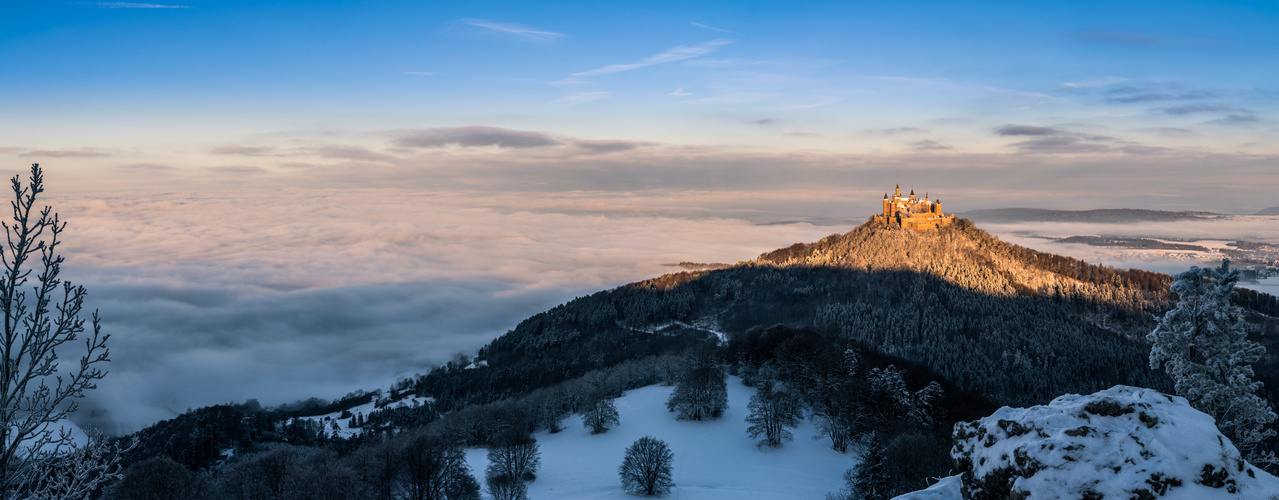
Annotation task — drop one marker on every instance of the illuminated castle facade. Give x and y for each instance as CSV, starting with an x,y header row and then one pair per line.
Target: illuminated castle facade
x,y
912,213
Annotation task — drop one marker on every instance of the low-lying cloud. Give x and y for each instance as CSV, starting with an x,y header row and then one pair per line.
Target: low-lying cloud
x,y
281,295
473,137
84,152
1027,130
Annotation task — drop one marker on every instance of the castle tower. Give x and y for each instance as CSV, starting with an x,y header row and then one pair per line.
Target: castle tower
x,y
898,193
886,205
912,195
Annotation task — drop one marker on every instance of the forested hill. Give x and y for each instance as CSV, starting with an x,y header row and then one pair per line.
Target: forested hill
x,y
1012,324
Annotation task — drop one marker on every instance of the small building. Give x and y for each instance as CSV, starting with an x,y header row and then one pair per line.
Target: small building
x,y
912,213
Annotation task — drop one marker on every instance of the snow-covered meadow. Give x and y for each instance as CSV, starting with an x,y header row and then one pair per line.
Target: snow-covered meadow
x,y
713,460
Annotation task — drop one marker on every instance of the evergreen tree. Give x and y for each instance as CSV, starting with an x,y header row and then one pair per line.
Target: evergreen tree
x,y
926,408
1204,348
870,477
646,470
774,408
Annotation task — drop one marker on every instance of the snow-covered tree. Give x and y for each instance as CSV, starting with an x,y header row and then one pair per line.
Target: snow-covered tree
x,y
926,407
774,408
40,457
1202,345
646,470
889,398
702,392
601,416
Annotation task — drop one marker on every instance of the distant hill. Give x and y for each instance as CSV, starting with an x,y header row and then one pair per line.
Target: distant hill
x,y
1104,215
1269,211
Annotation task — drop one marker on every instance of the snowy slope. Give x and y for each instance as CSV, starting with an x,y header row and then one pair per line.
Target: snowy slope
x,y
713,460
344,424
1123,442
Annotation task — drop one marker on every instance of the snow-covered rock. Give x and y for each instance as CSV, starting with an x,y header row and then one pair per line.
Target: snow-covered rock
x,y
1120,443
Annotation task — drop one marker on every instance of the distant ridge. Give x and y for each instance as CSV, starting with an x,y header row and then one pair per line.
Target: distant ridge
x,y
1269,211
1104,215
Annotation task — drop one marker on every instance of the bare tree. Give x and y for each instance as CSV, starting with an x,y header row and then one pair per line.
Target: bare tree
x,y
702,393
774,409
513,460
436,470
647,467
601,416
40,456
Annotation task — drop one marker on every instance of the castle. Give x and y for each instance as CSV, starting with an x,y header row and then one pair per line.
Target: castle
x,y
912,212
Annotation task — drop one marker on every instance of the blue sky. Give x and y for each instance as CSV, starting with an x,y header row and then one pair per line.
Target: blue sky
x,y
279,200
725,74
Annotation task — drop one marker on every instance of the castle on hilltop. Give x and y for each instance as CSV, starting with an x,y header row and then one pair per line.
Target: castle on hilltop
x,y
911,212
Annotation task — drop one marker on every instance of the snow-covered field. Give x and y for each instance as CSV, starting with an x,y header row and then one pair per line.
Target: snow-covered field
x,y
713,460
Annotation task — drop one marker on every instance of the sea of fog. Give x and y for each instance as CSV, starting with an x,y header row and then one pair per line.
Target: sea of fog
x,y
286,294
280,296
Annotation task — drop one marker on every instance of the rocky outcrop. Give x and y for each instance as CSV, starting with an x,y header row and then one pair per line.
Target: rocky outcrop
x,y
1120,443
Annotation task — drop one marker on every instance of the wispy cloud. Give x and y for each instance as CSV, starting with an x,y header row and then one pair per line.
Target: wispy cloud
x,y
1130,38
243,150
734,97
929,145
764,121
473,137
1092,84
514,31
712,28
237,169
679,92
824,101
673,54
1155,97
85,152
1198,108
610,146
132,5
1050,140
149,167
581,97
1116,37
1027,130
1235,119
900,130
348,153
